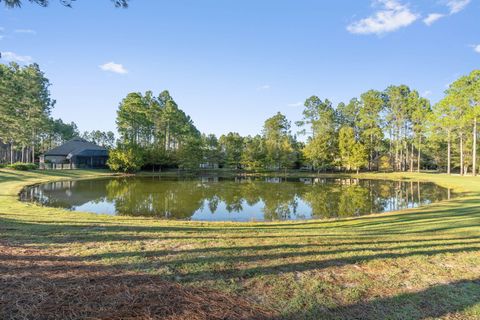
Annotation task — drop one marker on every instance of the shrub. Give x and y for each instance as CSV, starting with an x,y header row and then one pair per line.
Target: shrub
x,y
125,159
21,166
384,164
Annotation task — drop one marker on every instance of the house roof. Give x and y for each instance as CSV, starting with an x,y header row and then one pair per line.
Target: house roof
x,y
77,147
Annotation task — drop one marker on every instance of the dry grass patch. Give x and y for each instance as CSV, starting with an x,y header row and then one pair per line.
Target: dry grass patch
x,y
38,284
417,264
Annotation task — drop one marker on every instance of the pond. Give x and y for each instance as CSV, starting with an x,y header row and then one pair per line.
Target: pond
x,y
235,199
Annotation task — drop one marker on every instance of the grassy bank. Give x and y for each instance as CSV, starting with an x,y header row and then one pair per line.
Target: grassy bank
x,y
416,264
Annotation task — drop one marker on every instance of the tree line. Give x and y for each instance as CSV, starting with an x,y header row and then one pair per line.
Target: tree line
x,y
395,129
25,107
27,128
391,130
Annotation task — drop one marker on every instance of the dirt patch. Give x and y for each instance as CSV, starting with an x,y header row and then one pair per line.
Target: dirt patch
x,y
38,284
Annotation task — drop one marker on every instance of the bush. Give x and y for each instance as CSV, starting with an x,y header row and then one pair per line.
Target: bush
x,y
125,159
21,166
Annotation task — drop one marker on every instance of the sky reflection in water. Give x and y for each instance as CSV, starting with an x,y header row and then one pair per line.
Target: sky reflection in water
x,y
235,199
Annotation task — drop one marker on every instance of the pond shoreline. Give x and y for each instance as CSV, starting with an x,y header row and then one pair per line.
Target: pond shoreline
x,y
352,267
236,198
77,175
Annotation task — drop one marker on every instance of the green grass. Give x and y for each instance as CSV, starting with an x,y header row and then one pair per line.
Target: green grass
x,y
415,264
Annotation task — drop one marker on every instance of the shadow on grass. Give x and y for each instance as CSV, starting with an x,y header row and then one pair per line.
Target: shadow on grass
x,y
318,245
15,175
432,303
68,285
262,252
64,230
37,285
180,267
454,216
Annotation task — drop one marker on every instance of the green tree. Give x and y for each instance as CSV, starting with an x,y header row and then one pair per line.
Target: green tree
x,y
319,120
9,99
25,106
156,125
254,153
57,133
212,150
317,152
445,124
104,139
348,114
465,92
232,146
352,153
278,142
420,113
369,121
190,154
132,119
398,114
126,159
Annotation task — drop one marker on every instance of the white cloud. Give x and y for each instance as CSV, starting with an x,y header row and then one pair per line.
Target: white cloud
x,y
476,48
27,31
456,6
265,87
392,16
13,57
296,104
427,93
432,18
113,67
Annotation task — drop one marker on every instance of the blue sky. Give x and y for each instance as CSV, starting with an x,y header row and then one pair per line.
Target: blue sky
x,y
232,64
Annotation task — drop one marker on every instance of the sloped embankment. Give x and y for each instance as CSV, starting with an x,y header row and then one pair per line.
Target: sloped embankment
x,y
37,284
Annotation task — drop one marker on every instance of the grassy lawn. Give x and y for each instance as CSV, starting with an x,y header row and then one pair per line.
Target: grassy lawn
x,y
415,264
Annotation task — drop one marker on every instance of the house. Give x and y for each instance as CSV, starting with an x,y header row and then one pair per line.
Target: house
x,y
209,165
75,154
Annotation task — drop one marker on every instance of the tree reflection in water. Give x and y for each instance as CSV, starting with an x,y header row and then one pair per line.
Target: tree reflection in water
x,y
235,199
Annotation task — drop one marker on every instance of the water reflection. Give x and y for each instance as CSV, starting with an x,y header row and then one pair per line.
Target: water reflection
x,y
235,199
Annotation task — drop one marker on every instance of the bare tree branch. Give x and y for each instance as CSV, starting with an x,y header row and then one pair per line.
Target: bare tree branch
x,y
67,3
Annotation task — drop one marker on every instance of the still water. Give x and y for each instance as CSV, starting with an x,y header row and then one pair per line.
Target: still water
x,y
235,199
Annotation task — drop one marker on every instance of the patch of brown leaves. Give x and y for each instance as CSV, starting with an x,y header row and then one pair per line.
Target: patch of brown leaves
x,y
37,284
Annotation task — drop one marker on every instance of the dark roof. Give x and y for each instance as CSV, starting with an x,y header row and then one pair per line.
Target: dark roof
x,y
77,146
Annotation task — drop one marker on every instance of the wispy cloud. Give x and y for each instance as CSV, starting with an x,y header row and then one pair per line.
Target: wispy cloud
x,y
265,87
432,18
296,104
13,57
113,67
427,93
26,31
456,6
476,48
391,16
